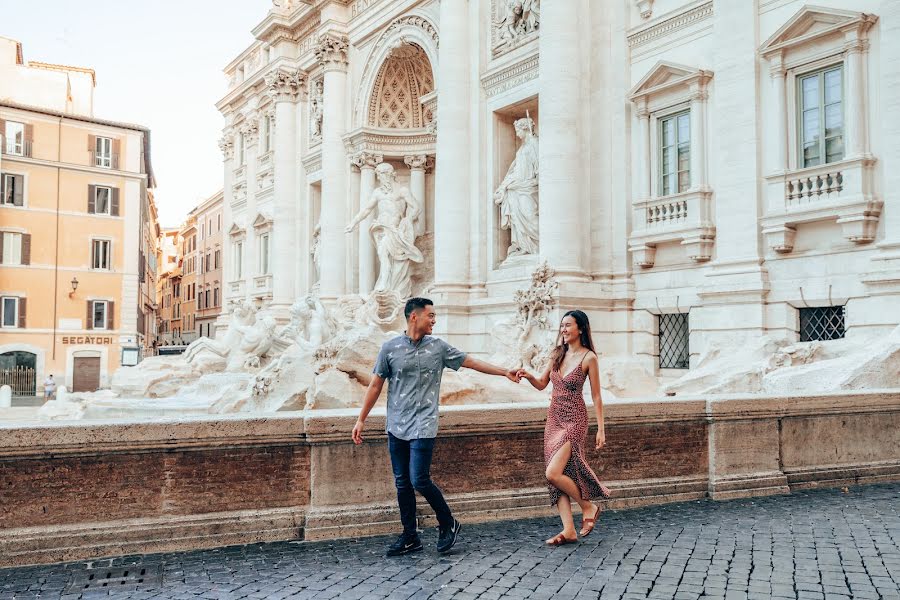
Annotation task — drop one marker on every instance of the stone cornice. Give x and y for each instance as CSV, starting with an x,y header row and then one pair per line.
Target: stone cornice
x,y
507,77
396,143
668,25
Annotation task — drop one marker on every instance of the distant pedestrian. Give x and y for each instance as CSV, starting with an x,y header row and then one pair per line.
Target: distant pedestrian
x,y
569,475
412,365
49,388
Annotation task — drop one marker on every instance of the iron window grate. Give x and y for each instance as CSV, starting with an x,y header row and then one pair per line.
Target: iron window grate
x,y
822,323
674,351
130,576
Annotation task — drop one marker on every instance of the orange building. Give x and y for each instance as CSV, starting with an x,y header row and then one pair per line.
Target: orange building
x,y
74,209
208,216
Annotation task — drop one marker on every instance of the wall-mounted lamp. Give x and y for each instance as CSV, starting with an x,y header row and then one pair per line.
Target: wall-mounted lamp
x,y
74,283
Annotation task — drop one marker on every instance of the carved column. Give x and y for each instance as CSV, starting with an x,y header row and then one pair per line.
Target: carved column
x,y
562,216
698,136
642,145
777,130
332,55
250,131
368,267
452,197
417,164
226,145
857,144
284,86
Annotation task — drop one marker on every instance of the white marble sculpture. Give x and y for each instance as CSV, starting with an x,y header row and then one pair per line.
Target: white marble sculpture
x,y
393,231
519,18
316,110
315,250
517,194
526,339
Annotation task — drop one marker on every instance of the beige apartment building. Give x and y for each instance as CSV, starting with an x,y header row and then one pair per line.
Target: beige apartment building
x,y
76,221
187,300
168,287
208,216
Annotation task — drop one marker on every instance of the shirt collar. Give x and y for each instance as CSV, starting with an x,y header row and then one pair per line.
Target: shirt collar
x,y
412,342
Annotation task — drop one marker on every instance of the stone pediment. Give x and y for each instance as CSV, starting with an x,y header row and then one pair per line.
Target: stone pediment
x,y
262,219
235,230
812,22
665,75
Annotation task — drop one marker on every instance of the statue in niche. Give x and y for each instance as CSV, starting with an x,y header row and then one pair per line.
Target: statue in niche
x,y
315,250
517,194
393,231
520,18
316,111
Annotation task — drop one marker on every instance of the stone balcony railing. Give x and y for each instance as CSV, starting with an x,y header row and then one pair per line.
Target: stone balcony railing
x,y
262,284
236,288
686,218
841,191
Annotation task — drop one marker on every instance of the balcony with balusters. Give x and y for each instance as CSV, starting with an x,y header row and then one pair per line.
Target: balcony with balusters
x,y
685,218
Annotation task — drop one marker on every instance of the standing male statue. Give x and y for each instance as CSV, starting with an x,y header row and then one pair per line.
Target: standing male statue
x,y
392,231
518,193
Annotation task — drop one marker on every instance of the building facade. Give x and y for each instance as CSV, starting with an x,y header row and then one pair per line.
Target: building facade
x,y
147,277
75,200
168,287
697,173
187,299
208,299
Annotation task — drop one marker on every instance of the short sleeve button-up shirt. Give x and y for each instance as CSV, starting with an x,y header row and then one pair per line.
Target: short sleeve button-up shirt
x,y
413,372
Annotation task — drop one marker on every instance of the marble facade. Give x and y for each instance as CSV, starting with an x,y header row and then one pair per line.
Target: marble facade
x,y
743,236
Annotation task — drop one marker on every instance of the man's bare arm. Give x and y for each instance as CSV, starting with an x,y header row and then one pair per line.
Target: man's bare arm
x,y
371,397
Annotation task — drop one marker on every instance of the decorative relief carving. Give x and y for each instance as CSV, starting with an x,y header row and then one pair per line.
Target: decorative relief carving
x,y
285,85
250,129
645,7
669,26
226,145
515,22
404,78
332,51
316,111
368,160
511,76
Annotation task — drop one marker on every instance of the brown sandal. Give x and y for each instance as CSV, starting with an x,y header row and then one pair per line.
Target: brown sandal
x,y
587,525
560,540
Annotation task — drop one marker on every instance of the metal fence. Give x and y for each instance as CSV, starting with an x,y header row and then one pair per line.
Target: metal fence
x,y
20,379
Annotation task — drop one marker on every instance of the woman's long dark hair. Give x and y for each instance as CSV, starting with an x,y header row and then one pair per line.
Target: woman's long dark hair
x,y
584,326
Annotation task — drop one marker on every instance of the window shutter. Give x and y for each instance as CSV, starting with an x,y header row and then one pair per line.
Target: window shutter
x,y
110,315
2,178
29,132
26,248
3,129
115,154
19,185
114,206
89,322
22,302
92,144
92,198
1,247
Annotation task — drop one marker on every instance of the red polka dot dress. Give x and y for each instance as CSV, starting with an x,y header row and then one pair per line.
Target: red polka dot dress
x,y
567,421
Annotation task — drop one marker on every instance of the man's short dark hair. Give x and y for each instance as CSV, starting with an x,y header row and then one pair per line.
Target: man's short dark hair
x,y
415,304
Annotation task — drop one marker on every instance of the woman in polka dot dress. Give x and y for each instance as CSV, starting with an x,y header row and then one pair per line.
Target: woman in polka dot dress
x,y
569,475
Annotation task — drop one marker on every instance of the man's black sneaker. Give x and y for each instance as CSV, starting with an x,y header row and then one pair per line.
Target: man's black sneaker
x,y
447,536
405,543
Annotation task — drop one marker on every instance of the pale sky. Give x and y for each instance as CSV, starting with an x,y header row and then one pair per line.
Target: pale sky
x,y
158,64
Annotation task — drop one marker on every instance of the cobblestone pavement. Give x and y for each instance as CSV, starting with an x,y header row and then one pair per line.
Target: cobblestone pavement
x,y
821,544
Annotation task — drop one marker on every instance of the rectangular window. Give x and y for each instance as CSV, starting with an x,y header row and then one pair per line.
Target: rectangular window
x,y
100,254
12,248
240,149
218,259
11,189
822,323
103,152
674,333
821,116
15,138
675,154
206,299
267,135
264,254
10,311
102,200
98,314
216,297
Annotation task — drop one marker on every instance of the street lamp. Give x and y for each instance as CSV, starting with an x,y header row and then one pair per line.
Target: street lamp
x,y
74,283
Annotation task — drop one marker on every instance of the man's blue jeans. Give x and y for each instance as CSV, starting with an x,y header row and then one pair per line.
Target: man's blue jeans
x,y
411,462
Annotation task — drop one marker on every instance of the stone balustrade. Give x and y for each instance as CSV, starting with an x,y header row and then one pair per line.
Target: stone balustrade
x,y
78,490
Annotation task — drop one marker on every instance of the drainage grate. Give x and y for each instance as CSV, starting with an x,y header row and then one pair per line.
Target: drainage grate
x,y
116,577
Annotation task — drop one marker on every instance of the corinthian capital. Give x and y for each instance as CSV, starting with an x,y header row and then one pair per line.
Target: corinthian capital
x,y
250,128
226,145
417,161
285,85
332,50
366,160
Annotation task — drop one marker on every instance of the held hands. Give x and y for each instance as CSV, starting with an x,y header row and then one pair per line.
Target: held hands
x,y
357,432
601,438
514,375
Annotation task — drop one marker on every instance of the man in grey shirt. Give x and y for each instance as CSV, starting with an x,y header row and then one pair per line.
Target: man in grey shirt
x,y
412,364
